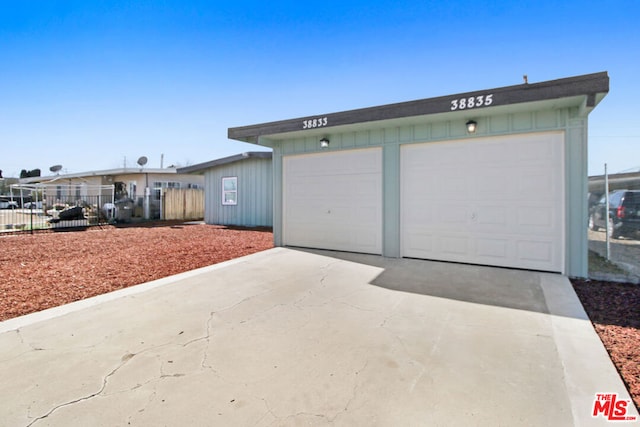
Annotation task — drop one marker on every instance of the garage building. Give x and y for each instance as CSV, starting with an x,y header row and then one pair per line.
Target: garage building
x,y
494,177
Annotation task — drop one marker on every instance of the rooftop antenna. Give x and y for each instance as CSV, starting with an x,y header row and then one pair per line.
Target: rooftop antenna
x,y
142,161
55,169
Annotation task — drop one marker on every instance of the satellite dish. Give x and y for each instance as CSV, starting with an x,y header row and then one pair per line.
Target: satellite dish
x,y
142,161
55,168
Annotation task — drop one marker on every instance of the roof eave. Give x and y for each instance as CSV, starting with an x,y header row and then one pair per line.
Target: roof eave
x,y
589,88
201,167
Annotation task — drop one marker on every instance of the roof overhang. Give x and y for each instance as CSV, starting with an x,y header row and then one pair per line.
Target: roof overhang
x,y
628,180
583,92
201,167
109,172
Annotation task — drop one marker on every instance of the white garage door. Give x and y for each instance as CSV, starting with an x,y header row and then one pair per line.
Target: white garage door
x,y
493,201
334,200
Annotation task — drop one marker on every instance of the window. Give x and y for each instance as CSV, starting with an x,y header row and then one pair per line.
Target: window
x,y
133,189
230,190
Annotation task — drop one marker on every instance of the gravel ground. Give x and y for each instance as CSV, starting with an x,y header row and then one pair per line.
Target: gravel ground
x,y
52,268
614,309
48,269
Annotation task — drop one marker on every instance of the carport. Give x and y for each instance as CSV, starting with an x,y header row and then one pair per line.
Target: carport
x,y
493,177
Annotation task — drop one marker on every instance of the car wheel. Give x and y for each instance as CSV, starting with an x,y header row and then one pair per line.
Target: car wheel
x,y
592,223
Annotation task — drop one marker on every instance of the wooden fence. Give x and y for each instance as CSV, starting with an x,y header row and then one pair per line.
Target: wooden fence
x,y
183,204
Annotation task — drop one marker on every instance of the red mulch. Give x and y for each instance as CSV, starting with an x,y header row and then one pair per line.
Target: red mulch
x,y
49,269
614,309
45,270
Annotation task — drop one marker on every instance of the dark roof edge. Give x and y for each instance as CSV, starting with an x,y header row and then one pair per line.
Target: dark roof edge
x,y
587,84
200,167
619,175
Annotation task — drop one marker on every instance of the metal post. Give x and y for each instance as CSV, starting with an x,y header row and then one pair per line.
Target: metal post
x,y
606,224
146,207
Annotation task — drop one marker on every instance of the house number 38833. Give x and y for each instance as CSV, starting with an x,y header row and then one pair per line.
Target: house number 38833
x,y
314,123
471,102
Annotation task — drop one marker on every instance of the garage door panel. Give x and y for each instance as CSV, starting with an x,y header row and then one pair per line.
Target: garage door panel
x,y
492,183
537,151
492,215
540,252
502,204
536,183
334,200
453,244
453,216
490,248
537,217
420,244
420,216
453,184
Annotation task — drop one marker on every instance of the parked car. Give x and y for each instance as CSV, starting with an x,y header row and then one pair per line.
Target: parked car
x,y
33,205
4,204
624,213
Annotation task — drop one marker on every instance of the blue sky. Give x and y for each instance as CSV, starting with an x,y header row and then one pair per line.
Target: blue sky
x,y
88,84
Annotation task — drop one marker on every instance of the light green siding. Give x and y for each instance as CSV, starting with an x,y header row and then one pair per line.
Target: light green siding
x,y
255,194
440,128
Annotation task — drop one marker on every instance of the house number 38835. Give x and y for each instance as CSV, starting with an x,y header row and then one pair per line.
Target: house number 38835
x,y
471,102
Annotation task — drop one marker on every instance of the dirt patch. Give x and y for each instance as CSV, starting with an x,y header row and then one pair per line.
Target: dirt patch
x,y
45,270
600,264
614,309
624,254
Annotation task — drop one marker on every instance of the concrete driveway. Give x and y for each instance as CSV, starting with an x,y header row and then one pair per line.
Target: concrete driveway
x,y
291,337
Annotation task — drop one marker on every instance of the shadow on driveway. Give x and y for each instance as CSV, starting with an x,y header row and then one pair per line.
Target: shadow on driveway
x,y
501,287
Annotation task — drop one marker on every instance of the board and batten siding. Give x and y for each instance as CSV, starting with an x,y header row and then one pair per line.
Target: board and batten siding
x,y
568,120
255,194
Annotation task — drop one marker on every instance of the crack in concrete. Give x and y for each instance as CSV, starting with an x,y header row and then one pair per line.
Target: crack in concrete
x,y
423,369
242,301
269,411
207,338
330,419
324,271
354,394
370,310
17,356
19,334
125,359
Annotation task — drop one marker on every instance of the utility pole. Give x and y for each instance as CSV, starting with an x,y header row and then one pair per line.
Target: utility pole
x,y
609,223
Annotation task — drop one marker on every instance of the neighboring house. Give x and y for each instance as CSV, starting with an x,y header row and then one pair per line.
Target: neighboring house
x,y
129,183
238,189
493,177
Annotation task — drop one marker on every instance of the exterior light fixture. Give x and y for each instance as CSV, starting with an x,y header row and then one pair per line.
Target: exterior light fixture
x,y
472,126
324,143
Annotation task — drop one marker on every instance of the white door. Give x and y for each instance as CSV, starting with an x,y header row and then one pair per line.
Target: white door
x,y
492,201
334,200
